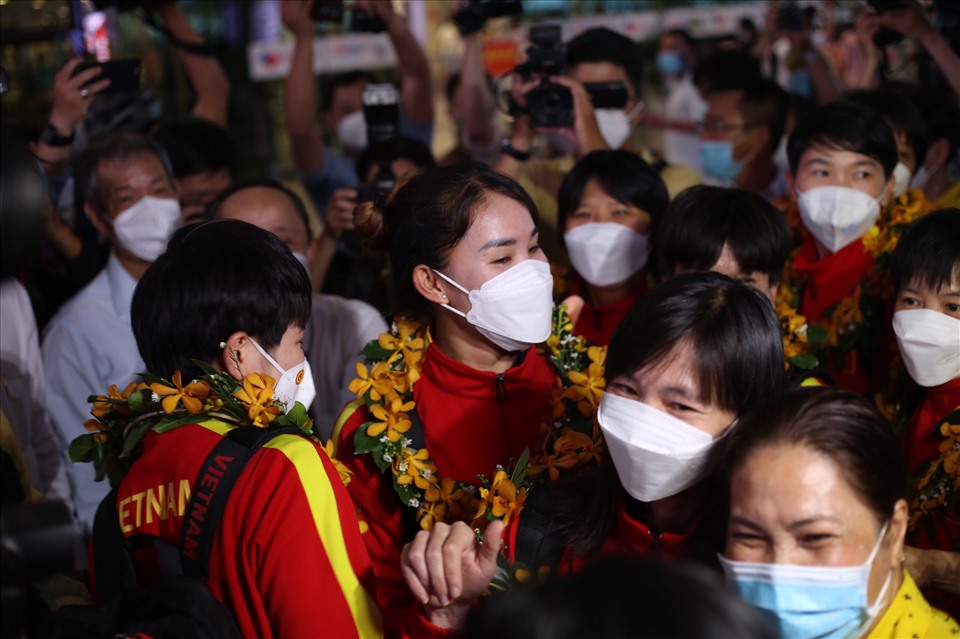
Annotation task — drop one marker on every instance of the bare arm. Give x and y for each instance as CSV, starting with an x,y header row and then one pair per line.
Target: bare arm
x,y
473,94
416,94
72,95
209,82
912,22
938,568
300,91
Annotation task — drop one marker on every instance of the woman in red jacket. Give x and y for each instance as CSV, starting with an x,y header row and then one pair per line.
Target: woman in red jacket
x,y
472,392
609,207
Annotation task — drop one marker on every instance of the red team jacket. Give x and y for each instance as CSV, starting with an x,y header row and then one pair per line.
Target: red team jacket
x,y
467,431
288,558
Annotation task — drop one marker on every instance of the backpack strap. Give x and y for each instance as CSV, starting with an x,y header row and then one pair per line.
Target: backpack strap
x,y
208,498
112,570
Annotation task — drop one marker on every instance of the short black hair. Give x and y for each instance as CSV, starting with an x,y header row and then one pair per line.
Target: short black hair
x,y
940,114
928,252
606,599
732,328
113,146
197,146
702,219
330,86
406,148
213,210
623,175
724,69
900,113
684,35
605,45
216,278
845,126
762,103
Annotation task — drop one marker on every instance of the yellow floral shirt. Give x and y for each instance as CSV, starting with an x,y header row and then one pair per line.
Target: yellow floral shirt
x,y
911,617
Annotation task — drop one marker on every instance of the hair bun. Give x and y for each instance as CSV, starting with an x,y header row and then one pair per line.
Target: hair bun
x,y
370,224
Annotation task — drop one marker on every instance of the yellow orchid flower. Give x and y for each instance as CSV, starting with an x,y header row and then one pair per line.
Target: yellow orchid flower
x,y
257,396
192,396
587,388
345,473
416,468
395,424
101,406
377,381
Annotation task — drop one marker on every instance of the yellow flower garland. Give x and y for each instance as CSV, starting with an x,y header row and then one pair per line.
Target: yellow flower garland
x,y
385,384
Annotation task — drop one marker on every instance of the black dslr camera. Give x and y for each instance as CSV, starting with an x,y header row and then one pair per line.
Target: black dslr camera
x,y
333,11
382,114
550,104
473,14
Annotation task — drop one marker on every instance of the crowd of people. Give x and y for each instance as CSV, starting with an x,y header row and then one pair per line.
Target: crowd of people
x,y
678,370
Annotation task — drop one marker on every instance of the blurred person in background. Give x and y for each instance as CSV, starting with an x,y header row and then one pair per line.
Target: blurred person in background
x,y
130,196
597,55
740,134
683,108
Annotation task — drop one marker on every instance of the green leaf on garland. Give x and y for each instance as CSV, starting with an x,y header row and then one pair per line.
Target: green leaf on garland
x,y
141,400
82,448
363,443
520,468
205,367
169,423
804,362
375,353
816,334
133,437
150,378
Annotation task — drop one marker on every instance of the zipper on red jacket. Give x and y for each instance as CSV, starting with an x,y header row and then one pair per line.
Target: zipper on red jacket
x,y
500,389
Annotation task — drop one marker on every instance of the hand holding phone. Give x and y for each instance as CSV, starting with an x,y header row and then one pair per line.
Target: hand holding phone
x,y
124,75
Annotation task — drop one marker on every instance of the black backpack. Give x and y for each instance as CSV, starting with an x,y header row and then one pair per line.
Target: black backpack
x,y
178,605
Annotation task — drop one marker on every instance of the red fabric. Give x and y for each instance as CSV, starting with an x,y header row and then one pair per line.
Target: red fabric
x,y
598,323
922,442
829,280
629,537
467,433
269,564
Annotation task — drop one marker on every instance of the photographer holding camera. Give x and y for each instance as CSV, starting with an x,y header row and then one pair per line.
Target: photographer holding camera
x,y
583,99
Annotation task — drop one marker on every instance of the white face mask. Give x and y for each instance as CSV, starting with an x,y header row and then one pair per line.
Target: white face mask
x,y
513,310
656,455
838,216
144,228
606,253
901,176
830,602
614,126
304,261
352,131
294,384
930,345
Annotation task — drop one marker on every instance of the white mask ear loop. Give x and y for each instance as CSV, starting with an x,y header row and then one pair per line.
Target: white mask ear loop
x,y
465,291
874,608
266,355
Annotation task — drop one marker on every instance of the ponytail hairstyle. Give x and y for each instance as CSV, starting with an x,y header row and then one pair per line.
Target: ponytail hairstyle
x,y
424,218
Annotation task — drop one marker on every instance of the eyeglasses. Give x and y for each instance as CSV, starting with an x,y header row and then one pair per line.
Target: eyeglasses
x,y
716,126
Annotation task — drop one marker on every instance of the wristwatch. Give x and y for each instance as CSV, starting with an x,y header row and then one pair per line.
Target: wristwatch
x,y
51,137
512,151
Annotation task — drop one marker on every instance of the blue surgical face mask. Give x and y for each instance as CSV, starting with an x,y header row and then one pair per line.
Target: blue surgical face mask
x,y
826,602
670,63
717,159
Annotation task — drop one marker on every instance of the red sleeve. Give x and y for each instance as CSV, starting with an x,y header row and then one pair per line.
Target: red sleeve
x,y
300,569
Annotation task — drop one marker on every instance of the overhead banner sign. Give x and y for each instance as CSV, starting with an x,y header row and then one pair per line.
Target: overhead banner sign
x,y
331,54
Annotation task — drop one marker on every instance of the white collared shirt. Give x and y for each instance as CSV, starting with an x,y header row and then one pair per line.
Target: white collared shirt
x,y
22,393
88,346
